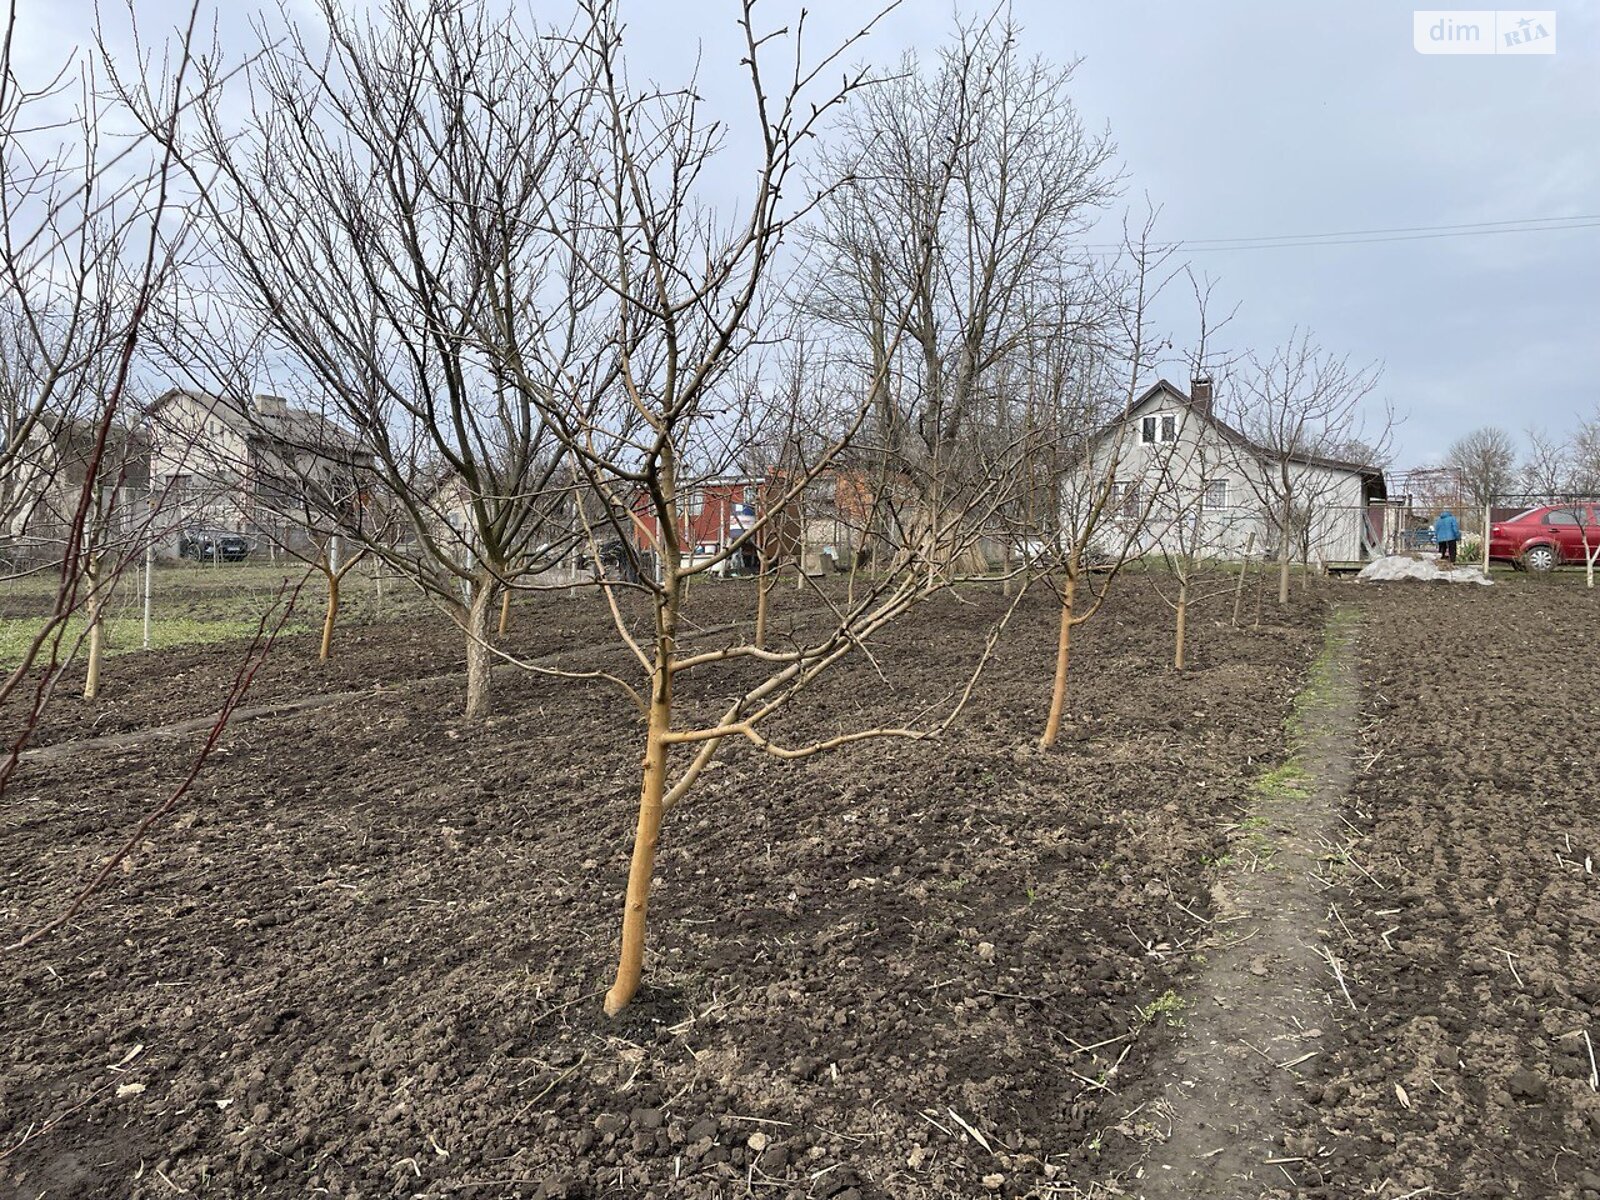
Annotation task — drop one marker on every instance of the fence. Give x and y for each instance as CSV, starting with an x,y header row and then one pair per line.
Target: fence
x,y
156,603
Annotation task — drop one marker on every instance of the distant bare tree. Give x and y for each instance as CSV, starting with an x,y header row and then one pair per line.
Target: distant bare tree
x,y
88,237
1585,454
969,181
1547,467
1486,460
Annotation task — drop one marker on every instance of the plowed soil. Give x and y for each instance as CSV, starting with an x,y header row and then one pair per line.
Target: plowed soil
x,y
1470,935
365,957
144,692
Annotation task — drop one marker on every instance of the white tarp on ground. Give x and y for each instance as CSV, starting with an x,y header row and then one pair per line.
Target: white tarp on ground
x,y
1403,566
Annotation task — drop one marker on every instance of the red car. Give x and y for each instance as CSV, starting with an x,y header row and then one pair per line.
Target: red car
x,y
1545,537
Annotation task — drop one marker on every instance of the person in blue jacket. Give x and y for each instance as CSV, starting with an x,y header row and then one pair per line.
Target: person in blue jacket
x,y
1447,532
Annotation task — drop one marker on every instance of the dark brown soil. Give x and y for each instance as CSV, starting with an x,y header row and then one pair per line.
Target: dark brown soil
x,y
365,958
1223,1113
1472,948
141,691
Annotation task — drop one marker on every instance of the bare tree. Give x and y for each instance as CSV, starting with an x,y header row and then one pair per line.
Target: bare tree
x,y
1580,511
1486,461
385,219
1297,409
88,235
1109,491
1195,530
1548,466
1585,454
969,181
685,292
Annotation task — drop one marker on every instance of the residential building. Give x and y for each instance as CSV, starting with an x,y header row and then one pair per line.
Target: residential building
x,y
43,489
1184,475
258,466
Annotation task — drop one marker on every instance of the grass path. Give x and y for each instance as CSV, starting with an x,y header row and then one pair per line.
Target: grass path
x,y
1267,997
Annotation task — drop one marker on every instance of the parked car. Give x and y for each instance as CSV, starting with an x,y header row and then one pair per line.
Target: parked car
x,y
213,545
1543,538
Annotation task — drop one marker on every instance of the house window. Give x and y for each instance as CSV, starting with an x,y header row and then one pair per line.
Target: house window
x,y
1125,498
1163,427
697,503
1216,494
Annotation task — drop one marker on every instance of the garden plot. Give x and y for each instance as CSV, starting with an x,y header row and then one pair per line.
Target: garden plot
x,y
366,956
1471,943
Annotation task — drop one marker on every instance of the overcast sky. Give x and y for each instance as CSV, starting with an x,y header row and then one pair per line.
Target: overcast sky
x,y
1252,118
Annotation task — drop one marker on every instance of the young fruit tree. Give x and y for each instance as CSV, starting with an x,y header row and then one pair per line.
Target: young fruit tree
x,y
1196,529
686,300
1198,526
89,235
1583,513
1106,465
1301,411
383,222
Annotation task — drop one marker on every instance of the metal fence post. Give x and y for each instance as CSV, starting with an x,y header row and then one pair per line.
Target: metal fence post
x,y
149,567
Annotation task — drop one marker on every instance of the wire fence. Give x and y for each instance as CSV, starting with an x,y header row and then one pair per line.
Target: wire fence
x,y
1522,530
156,603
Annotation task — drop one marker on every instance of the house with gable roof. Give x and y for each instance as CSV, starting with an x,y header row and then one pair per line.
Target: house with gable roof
x,y
1177,460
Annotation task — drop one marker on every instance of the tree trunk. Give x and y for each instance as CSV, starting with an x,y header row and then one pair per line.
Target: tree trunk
x,y
478,656
326,650
1244,570
1284,554
763,586
647,835
97,630
855,566
1261,594
1058,693
505,613
1183,624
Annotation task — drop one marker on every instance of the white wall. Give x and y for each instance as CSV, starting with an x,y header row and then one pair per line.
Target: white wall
x,y
1179,472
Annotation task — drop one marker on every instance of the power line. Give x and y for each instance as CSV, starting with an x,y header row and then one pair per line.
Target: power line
x,y
1358,237
1485,226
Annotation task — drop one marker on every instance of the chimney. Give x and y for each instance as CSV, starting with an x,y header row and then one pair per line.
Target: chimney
x,y
1200,393
270,406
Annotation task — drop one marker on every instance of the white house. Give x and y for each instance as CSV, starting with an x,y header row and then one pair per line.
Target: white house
x,y
1184,477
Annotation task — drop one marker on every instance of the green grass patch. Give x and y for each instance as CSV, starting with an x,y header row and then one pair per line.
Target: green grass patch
x,y
203,605
1167,1009
126,634
1288,781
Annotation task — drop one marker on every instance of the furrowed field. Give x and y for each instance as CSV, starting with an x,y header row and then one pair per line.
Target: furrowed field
x,y
364,956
